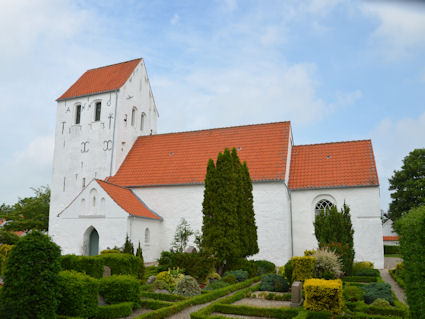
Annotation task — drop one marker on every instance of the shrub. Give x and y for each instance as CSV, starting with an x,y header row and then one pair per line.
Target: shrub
x,y
121,264
31,278
212,276
166,277
216,284
8,238
281,271
197,265
318,315
273,282
288,271
110,251
247,265
367,272
377,290
159,284
391,250
188,287
323,295
78,294
382,303
4,252
309,252
91,266
240,275
118,310
327,264
139,254
120,288
265,267
361,265
359,279
303,268
229,278
399,270
353,293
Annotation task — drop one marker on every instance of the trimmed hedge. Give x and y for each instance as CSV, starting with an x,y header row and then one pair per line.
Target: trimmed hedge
x,y
367,272
154,304
240,275
121,264
302,268
318,315
265,267
91,266
400,281
323,295
120,288
359,279
391,250
78,294
118,310
282,313
161,296
361,265
272,282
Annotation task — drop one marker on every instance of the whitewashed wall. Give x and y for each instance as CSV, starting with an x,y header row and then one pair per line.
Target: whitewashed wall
x,y
271,212
151,245
365,217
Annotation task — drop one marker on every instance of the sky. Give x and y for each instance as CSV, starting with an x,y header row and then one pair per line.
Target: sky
x,y
338,70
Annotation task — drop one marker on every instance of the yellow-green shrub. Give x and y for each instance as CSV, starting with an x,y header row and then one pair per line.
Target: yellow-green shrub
x,y
362,264
281,271
309,252
323,295
302,268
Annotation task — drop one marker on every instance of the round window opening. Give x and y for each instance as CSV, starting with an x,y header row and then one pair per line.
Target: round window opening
x,y
323,206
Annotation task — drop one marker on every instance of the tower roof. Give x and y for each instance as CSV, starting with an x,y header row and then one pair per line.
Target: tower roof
x,y
100,80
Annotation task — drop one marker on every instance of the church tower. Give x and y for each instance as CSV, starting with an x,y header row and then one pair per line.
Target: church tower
x,y
98,119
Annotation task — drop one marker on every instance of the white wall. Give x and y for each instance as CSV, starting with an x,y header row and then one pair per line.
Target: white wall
x,y
365,217
270,205
151,248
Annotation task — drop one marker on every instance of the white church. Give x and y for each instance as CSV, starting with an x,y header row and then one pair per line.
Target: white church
x,y
114,175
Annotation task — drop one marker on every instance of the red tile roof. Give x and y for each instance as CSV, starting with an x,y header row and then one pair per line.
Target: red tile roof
x,y
127,200
103,79
181,158
19,233
391,238
341,164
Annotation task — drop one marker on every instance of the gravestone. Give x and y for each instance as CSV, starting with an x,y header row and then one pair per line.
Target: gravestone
x,y
106,271
296,294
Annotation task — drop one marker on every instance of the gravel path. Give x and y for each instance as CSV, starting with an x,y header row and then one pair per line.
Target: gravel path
x,y
391,262
399,292
263,303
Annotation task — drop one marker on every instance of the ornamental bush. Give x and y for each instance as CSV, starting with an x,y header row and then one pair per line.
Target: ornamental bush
x,y
240,275
120,288
412,247
288,272
118,310
377,290
110,251
159,284
4,252
229,278
353,293
91,266
9,238
31,279
367,272
217,284
273,282
187,287
302,268
323,295
121,264
381,303
327,264
78,294
265,267
249,266
362,264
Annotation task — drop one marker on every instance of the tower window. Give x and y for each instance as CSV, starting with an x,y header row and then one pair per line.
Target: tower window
x,y
78,114
142,121
97,111
323,206
147,236
133,116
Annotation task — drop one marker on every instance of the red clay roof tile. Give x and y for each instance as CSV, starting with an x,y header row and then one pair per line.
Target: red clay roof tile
x,y
341,164
103,79
127,200
181,158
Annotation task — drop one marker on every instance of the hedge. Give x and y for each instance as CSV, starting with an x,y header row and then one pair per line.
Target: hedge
x,y
161,296
154,303
91,266
256,311
118,310
359,279
399,280
120,288
265,267
391,250
204,298
121,264
78,294
323,295
302,268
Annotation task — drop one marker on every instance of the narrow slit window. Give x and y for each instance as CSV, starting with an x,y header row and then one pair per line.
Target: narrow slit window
x,y
133,116
97,111
142,121
78,114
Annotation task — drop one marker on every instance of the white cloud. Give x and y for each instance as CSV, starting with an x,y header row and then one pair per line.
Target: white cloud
x,y
393,140
401,26
38,152
175,19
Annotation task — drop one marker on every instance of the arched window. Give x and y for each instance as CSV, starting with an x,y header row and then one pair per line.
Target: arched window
x,y
92,200
142,121
102,205
147,236
133,116
78,114
323,205
97,111
83,205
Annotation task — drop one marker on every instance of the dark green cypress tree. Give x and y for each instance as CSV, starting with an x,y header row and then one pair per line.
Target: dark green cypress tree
x,y
209,207
128,246
139,254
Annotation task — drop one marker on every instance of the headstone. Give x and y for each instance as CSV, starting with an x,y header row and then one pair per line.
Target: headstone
x,y
190,249
150,280
296,294
106,271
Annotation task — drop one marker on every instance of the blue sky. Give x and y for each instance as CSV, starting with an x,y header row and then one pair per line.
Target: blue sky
x,y
338,70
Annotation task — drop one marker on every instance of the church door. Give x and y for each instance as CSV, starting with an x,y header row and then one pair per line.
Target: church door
x,y
94,243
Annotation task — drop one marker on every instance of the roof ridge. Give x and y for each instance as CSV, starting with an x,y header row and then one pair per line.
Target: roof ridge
x,y
215,128
105,66
337,142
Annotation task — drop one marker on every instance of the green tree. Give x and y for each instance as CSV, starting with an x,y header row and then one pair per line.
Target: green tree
x,y
28,213
333,229
31,279
412,238
128,246
139,254
228,228
181,237
408,185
